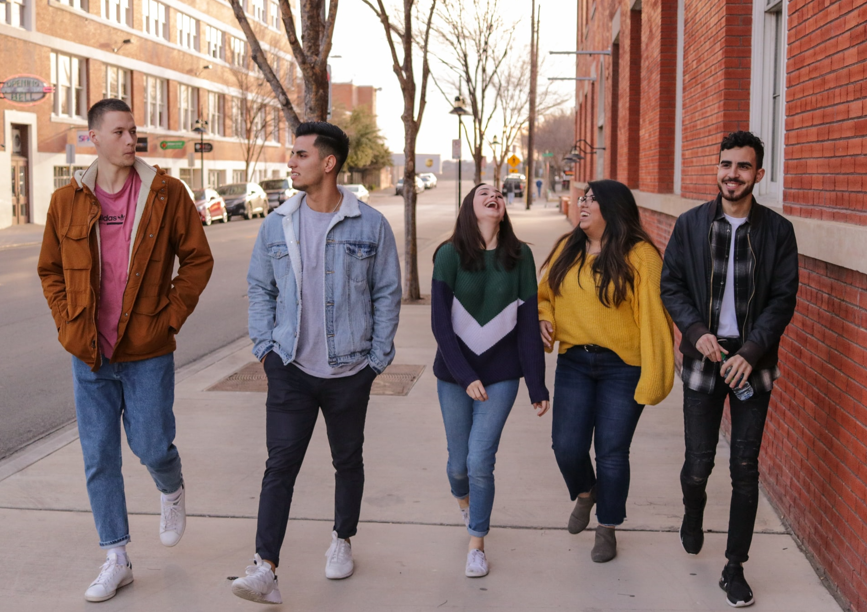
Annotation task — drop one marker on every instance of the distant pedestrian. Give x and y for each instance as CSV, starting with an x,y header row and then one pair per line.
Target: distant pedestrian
x,y
109,248
599,297
324,290
510,192
730,282
484,315
539,188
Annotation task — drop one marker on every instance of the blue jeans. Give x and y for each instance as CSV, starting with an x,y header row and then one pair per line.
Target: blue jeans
x,y
473,432
594,392
141,394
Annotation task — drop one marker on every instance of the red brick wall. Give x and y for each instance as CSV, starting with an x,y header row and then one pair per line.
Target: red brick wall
x,y
813,457
629,108
658,96
826,112
716,85
612,83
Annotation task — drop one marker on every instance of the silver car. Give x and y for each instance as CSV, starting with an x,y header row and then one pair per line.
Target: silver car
x,y
278,190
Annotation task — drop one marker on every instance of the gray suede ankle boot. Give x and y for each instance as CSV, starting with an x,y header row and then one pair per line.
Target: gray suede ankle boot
x,y
606,545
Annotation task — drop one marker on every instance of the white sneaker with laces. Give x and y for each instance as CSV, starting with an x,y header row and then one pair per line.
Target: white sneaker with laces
x,y
173,519
112,576
339,555
259,585
465,514
477,564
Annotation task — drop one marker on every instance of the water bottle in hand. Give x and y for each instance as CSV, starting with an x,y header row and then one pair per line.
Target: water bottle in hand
x,y
745,391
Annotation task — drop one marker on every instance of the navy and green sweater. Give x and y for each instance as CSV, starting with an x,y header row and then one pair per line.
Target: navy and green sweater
x,y
486,323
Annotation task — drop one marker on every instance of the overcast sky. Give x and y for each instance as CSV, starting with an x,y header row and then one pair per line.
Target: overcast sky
x,y
366,60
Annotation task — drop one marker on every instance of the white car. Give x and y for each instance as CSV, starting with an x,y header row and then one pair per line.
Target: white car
x,y
429,179
360,192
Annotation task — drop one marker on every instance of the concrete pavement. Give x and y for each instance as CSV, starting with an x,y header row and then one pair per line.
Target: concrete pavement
x,y
411,546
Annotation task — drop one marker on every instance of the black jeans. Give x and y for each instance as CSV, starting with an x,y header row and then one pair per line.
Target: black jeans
x,y
702,414
294,400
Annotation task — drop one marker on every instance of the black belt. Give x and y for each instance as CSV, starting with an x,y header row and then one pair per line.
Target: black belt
x,y
593,348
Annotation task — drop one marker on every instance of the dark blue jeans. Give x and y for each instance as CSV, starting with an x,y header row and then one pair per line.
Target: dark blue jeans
x,y
595,393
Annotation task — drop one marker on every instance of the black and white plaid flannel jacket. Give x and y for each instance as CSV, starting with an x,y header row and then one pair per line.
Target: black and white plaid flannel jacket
x,y
702,374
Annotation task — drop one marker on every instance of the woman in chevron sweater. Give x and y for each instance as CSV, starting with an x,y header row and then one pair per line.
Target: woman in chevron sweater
x,y
485,320
599,297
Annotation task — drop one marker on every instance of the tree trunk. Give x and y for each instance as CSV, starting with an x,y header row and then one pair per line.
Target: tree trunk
x,y
412,290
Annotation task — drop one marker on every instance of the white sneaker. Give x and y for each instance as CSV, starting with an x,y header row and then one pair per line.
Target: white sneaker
x,y
477,564
259,585
465,514
173,519
112,576
339,555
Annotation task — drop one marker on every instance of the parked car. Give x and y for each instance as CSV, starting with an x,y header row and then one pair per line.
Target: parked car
x,y
419,185
360,192
210,205
517,182
429,179
278,190
246,199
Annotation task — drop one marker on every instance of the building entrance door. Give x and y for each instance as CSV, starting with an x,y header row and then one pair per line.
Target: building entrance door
x,y
20,182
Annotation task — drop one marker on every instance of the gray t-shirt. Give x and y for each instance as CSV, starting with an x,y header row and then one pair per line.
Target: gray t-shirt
x,y
312,355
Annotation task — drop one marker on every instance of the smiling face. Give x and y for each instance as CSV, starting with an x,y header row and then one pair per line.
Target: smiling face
x,y
737,173
306,166
115,138
488,204
590,217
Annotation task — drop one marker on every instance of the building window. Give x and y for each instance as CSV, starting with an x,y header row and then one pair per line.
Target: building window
x,y
239,176
155,102
68,78
116,83
188,32
81,5
186,175
63,174
215,113
239,51
239,127
275,124
258,10
188,103
13,13
276,17
214,40
156,21
215,178
118,11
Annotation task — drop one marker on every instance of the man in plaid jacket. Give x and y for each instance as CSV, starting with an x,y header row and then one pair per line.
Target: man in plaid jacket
x,y
730,283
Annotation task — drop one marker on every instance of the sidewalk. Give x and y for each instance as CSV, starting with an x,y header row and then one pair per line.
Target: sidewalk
x,y
21,235
411,546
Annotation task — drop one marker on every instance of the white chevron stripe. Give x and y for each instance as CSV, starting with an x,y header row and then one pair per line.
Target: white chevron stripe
x,y
480,338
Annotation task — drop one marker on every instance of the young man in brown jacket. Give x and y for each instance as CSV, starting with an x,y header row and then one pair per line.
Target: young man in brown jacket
x,y
109,248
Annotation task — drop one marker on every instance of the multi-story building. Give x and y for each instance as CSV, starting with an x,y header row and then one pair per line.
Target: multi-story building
x,y
668,80
349,96
175,62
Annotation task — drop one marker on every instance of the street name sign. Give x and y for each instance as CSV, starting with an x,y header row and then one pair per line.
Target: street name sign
x,y
172,144
204,147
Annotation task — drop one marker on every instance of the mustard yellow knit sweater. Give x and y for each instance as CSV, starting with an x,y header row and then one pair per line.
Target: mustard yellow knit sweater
x,y
639,330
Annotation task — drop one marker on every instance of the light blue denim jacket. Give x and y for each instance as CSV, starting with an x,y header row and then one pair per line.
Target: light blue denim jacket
x,y
362,285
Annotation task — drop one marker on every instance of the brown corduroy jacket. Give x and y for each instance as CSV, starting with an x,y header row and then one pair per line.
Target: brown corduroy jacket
x,y
155,305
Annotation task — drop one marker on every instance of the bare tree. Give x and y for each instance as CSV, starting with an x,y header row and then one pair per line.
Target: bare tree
x,y
404,43
311,54
556,134
254,120
475,38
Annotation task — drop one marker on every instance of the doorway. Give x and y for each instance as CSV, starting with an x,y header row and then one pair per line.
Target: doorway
x,y
20,176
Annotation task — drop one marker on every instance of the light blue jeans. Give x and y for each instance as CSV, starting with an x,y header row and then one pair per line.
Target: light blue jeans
x,y
473,432
140,394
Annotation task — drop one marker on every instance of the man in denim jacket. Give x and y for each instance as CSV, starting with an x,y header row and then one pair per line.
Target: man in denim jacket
x,y
324,291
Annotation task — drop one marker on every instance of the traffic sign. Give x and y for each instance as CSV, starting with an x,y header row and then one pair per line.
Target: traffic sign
x,y
547,154
172,144
204,147
514,161
456,148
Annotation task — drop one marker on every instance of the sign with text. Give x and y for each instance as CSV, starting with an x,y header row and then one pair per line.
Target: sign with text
x,y
141,144
204,147
24,89
82,138
171,144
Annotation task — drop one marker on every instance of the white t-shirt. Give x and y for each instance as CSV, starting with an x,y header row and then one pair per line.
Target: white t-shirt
x,y
728,320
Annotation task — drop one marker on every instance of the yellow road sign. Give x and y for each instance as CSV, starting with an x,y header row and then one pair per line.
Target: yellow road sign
x,y
514,160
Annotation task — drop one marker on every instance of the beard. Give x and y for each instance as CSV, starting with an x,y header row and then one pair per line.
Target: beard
x,y
745,190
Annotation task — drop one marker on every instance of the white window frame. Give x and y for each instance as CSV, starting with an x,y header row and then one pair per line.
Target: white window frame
x,y
69,79
118,11
120,89
276,16
275,124
239,176
155,18
81,5
216,110
768,92
239,125
188,107
257,10
188,31
238,51
155,99
214,39
14,13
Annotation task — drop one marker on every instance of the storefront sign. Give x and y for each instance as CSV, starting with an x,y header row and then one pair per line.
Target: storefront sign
x,y
141,145
204,147
171,144
83,138
24,89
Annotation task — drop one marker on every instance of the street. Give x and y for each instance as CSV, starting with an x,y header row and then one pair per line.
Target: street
x,y
35,378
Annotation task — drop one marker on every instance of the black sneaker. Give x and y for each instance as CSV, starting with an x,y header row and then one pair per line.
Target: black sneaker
x,y
692,530
738,592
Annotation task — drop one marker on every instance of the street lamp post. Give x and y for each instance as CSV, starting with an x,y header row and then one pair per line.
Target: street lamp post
x,y
494,144
459,110
200,129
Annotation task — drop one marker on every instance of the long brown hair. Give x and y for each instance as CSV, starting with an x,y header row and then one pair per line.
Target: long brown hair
x,y
470,245
613,274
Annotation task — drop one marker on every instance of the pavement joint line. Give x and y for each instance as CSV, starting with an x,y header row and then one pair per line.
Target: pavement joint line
x,y
251,517
209,359
19,244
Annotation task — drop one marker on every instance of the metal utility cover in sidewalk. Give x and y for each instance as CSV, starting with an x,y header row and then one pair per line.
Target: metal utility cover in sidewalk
x,y
398,379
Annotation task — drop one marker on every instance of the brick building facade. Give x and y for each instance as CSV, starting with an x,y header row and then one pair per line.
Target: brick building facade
x,y
173,61
674,77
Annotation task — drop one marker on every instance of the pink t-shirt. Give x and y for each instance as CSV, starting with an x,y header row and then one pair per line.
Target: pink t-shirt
x,y
115,233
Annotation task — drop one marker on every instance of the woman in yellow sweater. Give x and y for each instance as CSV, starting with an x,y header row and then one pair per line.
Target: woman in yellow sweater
x,y
599,298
